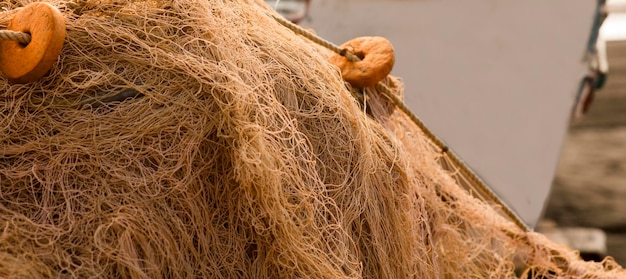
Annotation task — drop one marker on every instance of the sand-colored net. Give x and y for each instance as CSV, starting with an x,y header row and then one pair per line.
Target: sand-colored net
x,y
202,139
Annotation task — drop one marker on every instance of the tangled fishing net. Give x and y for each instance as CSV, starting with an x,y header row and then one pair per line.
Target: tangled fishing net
x,y
201,139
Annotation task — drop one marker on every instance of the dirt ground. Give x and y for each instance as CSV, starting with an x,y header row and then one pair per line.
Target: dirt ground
x,y
589,189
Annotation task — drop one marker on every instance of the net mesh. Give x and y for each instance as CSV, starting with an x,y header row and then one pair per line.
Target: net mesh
x,y
201,139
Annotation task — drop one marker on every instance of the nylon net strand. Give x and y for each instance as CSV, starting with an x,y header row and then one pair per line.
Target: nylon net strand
x,y
201,139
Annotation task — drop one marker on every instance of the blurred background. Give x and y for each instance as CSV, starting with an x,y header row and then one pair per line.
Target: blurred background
x,y
531,94
589,188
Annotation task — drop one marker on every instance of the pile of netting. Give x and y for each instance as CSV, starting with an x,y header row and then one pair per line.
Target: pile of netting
x,y
202,139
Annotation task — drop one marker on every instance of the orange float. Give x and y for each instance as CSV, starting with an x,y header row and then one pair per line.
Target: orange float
x,y
27,63
377,59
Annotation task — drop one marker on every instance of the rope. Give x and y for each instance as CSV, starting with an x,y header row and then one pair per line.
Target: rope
x,y
314,38
9,35
456,160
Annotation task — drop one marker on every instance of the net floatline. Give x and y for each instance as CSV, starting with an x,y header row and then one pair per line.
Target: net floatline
x,y
242,155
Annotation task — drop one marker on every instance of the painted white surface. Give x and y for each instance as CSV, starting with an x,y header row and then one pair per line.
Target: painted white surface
x,y
616,6
613,29
495,79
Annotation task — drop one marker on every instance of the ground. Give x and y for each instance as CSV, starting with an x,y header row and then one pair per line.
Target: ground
x,y
590,184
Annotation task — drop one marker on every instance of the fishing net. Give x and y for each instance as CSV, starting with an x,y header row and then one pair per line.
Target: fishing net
x,y
202,139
